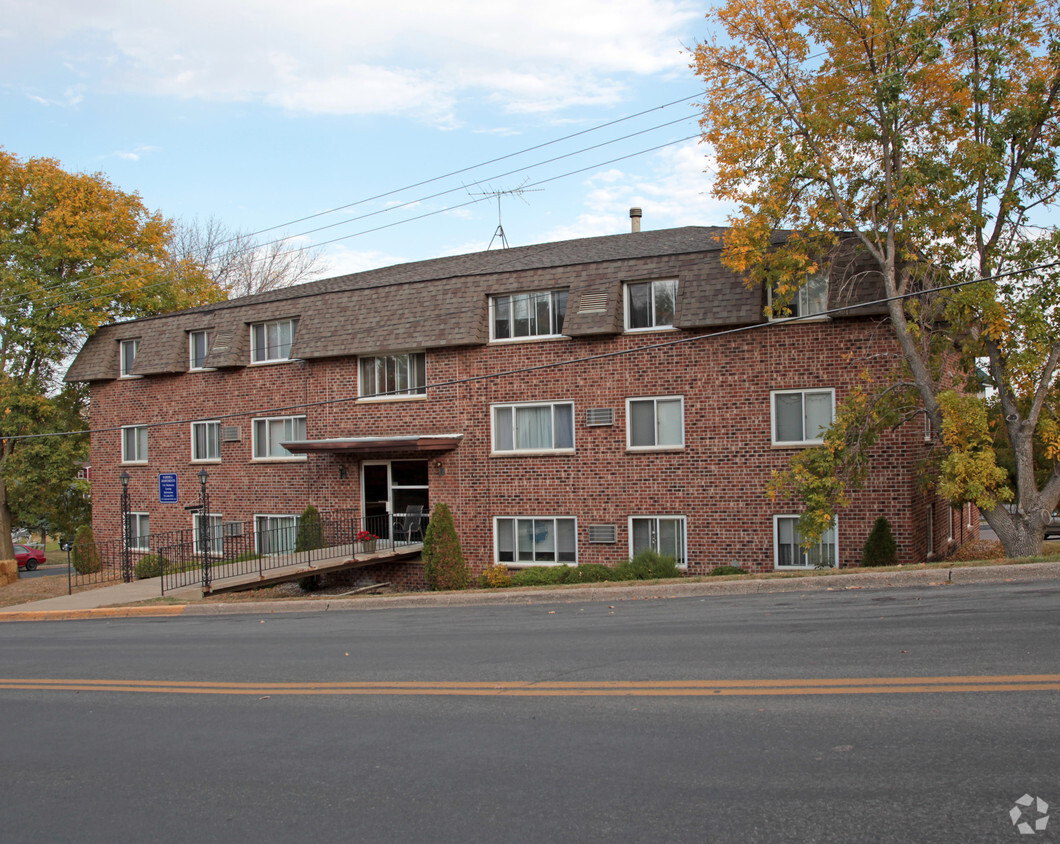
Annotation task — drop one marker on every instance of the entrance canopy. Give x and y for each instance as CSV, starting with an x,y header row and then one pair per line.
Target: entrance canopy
x,y
376,445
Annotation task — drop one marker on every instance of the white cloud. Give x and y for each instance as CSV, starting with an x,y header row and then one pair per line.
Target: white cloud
x,y
132,155
339,259
411,57
672,190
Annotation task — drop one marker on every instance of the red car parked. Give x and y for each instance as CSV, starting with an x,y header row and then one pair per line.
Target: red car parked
x,y
29,558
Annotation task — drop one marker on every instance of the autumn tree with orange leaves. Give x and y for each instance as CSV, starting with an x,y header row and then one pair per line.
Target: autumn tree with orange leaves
x,y
75,253
927,131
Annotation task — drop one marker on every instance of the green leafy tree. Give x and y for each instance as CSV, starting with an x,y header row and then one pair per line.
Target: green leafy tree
x,y
75,253
928,131
443,559
880,549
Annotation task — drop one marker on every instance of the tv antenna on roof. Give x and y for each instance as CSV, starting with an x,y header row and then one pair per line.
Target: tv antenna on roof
x,y
519,191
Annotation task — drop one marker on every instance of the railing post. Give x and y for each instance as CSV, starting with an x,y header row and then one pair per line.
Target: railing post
x,y
204,528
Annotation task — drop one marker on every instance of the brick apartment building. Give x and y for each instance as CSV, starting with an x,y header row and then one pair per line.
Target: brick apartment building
x,y
570,402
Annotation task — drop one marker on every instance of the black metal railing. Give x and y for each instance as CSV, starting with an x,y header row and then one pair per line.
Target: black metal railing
x,y
236,549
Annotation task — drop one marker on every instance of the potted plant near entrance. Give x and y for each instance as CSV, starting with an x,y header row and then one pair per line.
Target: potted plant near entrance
x,y
366,541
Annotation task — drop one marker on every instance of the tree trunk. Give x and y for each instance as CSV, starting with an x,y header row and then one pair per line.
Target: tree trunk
x,y
1021,534
7,548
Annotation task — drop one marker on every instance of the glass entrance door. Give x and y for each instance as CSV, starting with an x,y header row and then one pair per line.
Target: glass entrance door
x,y
392,487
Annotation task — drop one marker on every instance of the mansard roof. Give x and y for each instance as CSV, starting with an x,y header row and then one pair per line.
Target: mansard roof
x,y
443,302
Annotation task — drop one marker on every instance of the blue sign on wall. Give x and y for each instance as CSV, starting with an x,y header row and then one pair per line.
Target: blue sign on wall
x,y
167,487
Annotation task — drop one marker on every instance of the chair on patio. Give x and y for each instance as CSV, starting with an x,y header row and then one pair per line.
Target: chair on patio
x,y
408,527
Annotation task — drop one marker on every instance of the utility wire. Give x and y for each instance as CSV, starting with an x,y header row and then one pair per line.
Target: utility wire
x,y
456,382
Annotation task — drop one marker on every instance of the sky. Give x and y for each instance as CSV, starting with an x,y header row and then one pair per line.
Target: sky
x,y
378,133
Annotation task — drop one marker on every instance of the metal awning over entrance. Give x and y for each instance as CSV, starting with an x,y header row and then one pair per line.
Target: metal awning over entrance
x,y
376,445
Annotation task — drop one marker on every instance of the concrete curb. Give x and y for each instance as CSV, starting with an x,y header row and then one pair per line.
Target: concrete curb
x,y
914,577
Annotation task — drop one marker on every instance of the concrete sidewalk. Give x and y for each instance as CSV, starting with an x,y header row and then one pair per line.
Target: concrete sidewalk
x,y
110,601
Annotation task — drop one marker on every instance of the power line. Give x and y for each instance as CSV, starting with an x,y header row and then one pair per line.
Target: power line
x,y
456,382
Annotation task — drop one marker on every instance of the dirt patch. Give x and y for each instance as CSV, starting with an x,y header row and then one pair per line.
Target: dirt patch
x,y
287,591
38,589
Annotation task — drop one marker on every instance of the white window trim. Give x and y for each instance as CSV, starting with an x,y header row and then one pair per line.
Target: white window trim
x,y
191,351
626,309
773,416
267,323
543,563
931,530
531,338
140,544
629,425
681,564
531,451
801,298
138,461
122,372
216,459
776,544
393,396
254,521
289,458
213,536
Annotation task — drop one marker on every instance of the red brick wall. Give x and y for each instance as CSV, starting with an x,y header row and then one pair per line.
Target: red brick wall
x,y
717,480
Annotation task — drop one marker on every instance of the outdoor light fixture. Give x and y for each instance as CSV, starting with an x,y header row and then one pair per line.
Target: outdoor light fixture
x,y
203,476
124,479
126,558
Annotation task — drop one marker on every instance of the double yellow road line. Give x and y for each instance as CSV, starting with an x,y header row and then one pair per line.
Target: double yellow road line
x,y
613,688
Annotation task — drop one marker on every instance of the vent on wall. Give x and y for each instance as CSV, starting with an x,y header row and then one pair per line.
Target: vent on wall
x,y
603,534
600,416
592,303
230,434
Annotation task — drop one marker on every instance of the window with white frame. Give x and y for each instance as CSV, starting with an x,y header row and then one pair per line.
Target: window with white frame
x,y
134,444
138,531
789,552
215,523
810,299
386,376
127,357
205,441
536,540
275,534
519,315
269,433
533,427
271,341
650,304
655,422
664,535
801,417
198,348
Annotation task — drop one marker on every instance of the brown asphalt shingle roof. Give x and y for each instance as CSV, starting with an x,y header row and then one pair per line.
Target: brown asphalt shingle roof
x,y
444,302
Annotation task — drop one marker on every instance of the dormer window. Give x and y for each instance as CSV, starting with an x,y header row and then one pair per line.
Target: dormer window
x,y
523,315
650,304
127,357
198,348
271,341
811,298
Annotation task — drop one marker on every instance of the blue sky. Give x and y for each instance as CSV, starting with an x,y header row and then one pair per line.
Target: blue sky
x,y
261,113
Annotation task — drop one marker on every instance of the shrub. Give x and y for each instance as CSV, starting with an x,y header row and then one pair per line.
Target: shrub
x,y
444,566
310,531
541,576
150,565
720,570
85,554
880,548
647,565
495,577
590,573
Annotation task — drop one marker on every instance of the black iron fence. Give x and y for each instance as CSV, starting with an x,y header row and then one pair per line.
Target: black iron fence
x,y
218,550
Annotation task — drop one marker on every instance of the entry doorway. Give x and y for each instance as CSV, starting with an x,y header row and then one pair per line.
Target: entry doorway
x,y
391,487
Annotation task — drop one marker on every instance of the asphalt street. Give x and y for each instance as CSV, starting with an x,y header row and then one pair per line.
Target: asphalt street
x,y
887,715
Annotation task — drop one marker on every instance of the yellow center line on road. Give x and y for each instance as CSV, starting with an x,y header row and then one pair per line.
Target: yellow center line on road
x,y
607,688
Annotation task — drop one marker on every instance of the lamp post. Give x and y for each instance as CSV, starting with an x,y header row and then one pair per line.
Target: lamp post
x,y
126,558
204,528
